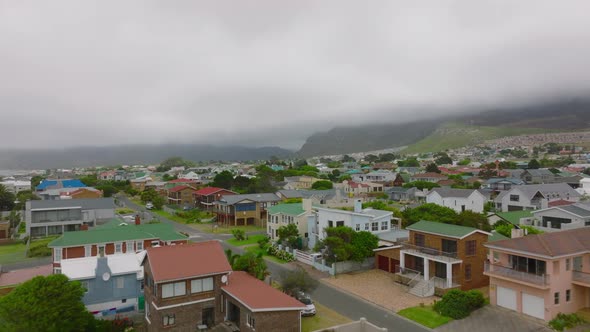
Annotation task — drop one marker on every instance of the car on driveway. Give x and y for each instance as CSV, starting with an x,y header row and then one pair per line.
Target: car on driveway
x,y
309,306
149,205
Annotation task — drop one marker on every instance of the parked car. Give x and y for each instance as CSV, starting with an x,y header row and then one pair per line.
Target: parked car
x,y
149,205
309,306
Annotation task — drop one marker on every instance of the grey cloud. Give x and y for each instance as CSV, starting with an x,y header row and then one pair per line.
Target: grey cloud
x,y
270,72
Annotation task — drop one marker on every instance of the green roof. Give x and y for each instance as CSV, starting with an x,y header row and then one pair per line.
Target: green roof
x,y
118,231
442,228
514,217
496,237
293,209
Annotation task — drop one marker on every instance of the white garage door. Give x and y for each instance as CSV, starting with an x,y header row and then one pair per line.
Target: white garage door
x,y
506,297
533,306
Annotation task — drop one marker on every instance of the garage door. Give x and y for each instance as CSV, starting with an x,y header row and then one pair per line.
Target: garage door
x,y
506,297
533,306
384,263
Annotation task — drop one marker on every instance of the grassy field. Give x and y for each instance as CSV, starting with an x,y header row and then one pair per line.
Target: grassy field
x,y
256,249
425,316
124,210
251,239
324,318
170,216
15,252
455,135
209,228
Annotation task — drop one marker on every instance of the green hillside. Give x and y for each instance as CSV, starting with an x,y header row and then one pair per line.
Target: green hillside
x,y
455,135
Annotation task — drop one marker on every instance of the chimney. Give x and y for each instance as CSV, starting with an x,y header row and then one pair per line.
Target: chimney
x,y
137,219
358,206
83,227
306,202
515,233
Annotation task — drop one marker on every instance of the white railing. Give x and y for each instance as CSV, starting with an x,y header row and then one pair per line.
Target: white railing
x,y
507,272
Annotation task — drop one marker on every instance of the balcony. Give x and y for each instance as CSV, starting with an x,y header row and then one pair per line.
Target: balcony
x,y
581,278
431,253
499,271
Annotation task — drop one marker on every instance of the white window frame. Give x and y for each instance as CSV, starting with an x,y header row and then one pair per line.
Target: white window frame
x,y
367,227
177,289
57,254
129,246
358,227
87,251
168,320
139,245
250,321
120,282
384,225
374,226
202,285
120,246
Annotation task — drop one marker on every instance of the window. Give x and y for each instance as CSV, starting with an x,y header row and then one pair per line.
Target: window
x,y
174,289
419,240
57,270
202,285
221,302
168,320
449,246
250,321
556,298
366,226
339,223
514,198
467,271
57,254
120,282
139,245
568,264
568,295
87,251
129,246
101,251
118,248
330,223
357,227
155,243
384,225
374,226
470,248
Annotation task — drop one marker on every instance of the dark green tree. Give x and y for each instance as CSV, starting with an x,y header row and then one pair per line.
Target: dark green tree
x,y
108,190
51,303
534,164
322,185
432,168
430,212
224,180
346,159
289,234
35,180
443,159
371,158
7,199
421,185
298,280
89,180
252,263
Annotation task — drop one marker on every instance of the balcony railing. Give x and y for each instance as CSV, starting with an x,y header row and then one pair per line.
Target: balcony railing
x,y
428,251
581,277
531,278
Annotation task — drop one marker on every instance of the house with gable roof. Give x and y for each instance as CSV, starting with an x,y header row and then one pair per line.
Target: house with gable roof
x,y
458,199
561,217
534,196
284,214
182,195
248,209
205,198
192,286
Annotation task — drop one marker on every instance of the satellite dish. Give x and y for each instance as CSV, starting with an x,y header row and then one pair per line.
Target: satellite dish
x,y
224,279
106,276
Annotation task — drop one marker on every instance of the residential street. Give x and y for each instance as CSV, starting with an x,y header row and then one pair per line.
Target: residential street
x,y
343,303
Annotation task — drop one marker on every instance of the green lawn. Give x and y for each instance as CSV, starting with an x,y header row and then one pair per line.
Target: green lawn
x,y
209,228
124,210
324,318
256,249
250,239
15,252
425,316
170,216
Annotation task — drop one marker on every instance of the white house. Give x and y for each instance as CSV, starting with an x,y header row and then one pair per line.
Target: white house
x,y
16,186
457,199
559,218
534,196
584,188
371,220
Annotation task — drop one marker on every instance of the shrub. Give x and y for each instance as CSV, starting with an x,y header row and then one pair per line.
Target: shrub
x,y
39,250
563,321
263,242
238,234
459,304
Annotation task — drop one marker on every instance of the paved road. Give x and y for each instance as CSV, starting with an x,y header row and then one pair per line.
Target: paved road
x,y
342,302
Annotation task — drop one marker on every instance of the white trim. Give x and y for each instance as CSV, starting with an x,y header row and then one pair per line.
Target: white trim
x,y
560,209
56,208
501,249
182,304
264,309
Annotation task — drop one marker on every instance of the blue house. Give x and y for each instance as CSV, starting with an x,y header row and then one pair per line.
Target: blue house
x,y
114,284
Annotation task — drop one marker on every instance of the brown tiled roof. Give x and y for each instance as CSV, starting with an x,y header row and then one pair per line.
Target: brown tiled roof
x,y
187,260
560,202
552,244
19,276
428,175
258,296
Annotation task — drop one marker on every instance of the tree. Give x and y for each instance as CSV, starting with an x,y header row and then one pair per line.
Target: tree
x,y
432,168
251,263
464,162
371,158
473,219
346,159
7,199
148,195
443,159
421,185
167,164
342,243
290,234
322,185
22,197
224,180
534,164
89,180
108,190
158,202
430,212
36,180
51,303
298,280
410,162
363,244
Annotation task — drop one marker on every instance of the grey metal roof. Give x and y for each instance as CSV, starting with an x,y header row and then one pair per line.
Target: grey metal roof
x,y
549,190
263,197
577,209
302,193
511,180
396,190
540,172
450,192
376,213
85,203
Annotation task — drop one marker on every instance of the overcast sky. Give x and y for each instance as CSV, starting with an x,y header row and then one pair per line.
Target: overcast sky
x,y
272,72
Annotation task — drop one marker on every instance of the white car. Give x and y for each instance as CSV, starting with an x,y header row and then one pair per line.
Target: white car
x,y
149,205
309,306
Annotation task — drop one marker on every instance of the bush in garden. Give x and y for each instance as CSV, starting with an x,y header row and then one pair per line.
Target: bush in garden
x,y
563,321
239,234
458,304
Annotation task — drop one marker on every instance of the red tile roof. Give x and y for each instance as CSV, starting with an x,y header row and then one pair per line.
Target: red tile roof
x,y
560,202
258,296
186,261
19,276
179,188
552,244
208,191
428,175
353,184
